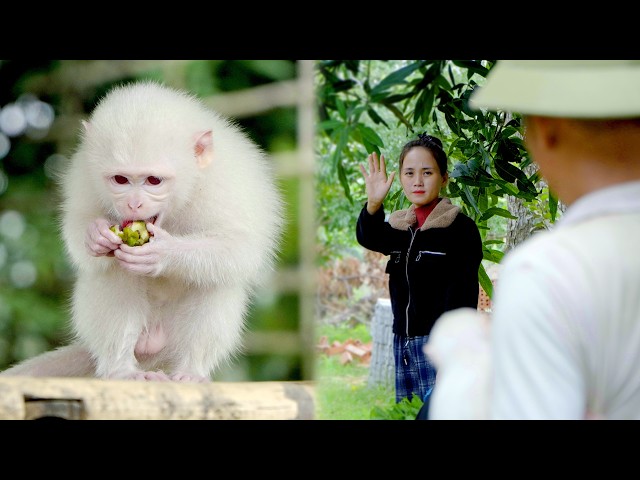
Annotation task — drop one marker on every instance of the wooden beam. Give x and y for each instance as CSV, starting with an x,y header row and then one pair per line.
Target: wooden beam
x,y
27,398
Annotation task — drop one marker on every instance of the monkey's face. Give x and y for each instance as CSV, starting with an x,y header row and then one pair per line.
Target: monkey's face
x,y
140,194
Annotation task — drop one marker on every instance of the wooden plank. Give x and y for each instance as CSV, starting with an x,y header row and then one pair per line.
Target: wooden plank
x,y
23,398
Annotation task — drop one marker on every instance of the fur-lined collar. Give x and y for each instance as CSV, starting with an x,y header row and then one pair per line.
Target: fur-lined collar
x,y
441,216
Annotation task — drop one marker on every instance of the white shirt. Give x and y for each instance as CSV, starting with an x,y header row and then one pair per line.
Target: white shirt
x,y
565,327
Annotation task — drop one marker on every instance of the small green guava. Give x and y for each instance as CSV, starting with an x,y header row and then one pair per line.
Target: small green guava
x,y
134,234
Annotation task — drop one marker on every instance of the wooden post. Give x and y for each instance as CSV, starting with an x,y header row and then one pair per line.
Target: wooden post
x,y
28,398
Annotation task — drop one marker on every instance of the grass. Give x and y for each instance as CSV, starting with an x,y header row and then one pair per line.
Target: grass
x,y
342,390
343,393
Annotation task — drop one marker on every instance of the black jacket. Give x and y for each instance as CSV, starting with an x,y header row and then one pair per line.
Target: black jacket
x,y
431,270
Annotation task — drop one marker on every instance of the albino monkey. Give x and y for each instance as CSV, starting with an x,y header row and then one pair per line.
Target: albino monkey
x,y
173,308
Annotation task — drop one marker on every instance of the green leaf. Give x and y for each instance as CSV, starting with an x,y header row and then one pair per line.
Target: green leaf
x,y
468,198
429,76
344,182
507,171
466,108
343,85
485,281
493,242
395,78
352,65
342,109
474,182
483,200
553,206
370,135
508,132
375,117
423,107
472,66
405,409
507,189
330,124
399,115
451,121
536,177
369,147
341,144
488,161
387,99
492,255
497,211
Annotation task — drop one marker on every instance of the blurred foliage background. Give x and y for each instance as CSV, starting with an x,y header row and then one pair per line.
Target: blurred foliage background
x,y
41,106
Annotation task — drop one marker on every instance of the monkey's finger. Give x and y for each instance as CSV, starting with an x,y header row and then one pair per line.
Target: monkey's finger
x,y
139,269
137,255
154,230
110,243
99,248
112,237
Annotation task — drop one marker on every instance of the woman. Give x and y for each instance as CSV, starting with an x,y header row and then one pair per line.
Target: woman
x,y
435,252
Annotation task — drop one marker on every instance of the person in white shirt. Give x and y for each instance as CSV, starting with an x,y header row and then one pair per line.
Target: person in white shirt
x,y
563,337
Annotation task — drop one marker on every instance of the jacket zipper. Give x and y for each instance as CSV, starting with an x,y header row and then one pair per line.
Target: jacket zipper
x,y
420,252
406,273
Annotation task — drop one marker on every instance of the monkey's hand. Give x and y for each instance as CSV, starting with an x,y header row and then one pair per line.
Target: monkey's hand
x,y
148,259
99,240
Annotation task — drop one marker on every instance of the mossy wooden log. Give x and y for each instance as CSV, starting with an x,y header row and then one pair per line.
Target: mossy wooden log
x,y
27,398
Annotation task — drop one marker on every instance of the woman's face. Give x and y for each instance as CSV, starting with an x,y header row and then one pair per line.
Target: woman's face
x,y
420,177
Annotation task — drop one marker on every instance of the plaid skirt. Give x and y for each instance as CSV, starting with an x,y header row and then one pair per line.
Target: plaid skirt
x,y
415,374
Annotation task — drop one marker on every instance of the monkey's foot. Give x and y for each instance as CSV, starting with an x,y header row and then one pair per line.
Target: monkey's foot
x,y
187,377
147,376
151,341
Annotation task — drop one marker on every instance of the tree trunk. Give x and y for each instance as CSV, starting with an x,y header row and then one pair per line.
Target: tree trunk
x,y
522,227
527,220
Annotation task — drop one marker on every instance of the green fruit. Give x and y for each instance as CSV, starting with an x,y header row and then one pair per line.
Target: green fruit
x,y
134,234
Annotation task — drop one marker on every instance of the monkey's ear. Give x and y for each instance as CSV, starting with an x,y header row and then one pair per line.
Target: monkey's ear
x,y
203,148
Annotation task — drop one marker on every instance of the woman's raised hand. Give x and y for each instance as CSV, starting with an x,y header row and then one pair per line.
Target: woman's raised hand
x,y
376,181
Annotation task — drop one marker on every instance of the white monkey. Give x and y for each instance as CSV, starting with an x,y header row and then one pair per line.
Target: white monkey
x,y
175,307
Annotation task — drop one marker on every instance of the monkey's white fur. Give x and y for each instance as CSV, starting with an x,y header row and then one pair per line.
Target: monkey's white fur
x,y
186,292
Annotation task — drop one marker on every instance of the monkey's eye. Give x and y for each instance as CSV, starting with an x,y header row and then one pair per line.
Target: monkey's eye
x,y
120,179
154,180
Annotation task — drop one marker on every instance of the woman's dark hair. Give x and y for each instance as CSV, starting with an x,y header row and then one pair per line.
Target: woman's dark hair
x,y
431,143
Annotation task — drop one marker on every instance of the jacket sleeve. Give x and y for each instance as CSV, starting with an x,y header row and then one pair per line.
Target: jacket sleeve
x,y
371,231
468,256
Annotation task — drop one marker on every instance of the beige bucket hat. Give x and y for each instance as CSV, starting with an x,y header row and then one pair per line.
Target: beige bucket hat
x,y
562,88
